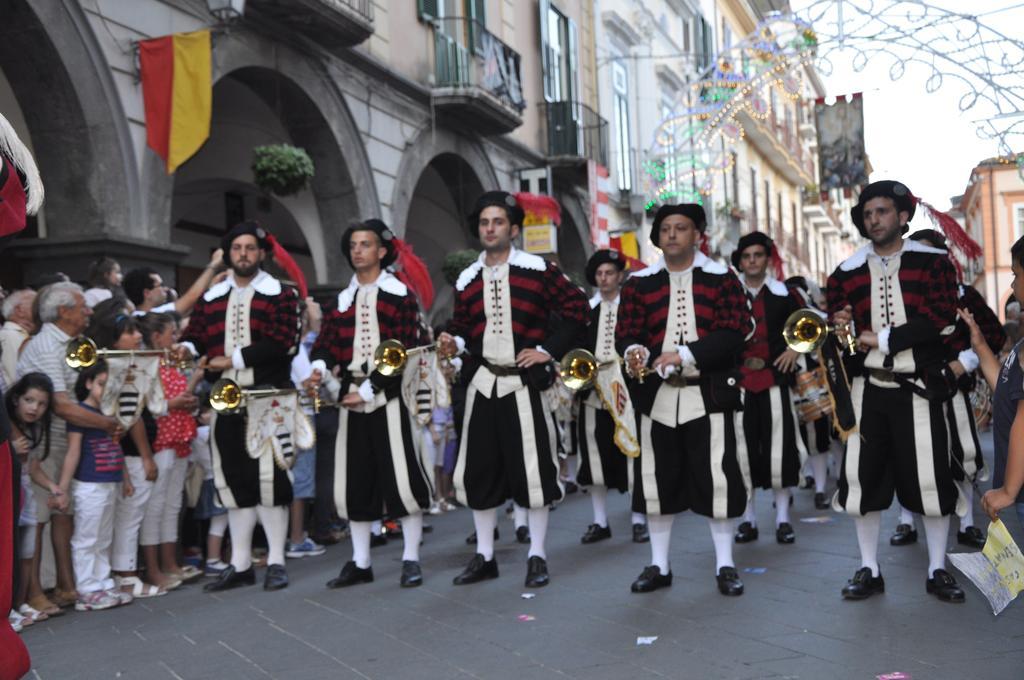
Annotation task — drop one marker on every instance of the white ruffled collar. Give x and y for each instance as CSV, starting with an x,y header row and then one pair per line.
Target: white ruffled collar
x,y
860,256
596,300
774,285
700,261
386,282
264,283
516,258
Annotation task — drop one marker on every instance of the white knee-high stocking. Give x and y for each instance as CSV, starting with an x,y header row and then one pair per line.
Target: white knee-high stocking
x,y
868,528
538,521
242,522
936,531
412,532
599,499
484,521
722,536
275,526
660,529
360,542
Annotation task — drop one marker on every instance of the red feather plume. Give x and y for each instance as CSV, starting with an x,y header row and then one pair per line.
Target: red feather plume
x,y
413,272
541,205
289,265
780,272
952,229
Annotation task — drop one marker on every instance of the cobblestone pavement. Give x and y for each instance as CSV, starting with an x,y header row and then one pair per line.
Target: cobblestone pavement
x,y
791,623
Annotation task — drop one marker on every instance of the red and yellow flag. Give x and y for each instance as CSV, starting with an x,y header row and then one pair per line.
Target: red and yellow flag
x,y
177,90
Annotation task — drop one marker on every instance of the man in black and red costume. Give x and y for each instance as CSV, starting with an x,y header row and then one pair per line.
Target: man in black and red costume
x,y
775,450
248,327
603,465
506,304
376,461
900,296
684,320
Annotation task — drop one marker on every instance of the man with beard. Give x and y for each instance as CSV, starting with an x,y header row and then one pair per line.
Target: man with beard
x,y
774,447
376,464
901,297
602,465
505,303
248,327
690,315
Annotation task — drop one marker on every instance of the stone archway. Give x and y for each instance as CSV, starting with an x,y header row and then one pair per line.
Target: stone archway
x,y
77,129
309,111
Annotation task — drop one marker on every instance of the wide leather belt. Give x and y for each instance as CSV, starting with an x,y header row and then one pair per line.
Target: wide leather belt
x,y
754,363
882,375
502,371
676,380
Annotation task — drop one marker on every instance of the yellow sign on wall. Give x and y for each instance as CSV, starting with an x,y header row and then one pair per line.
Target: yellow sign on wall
x,y
540,239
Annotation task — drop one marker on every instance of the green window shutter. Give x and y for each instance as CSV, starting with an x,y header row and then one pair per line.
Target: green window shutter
x,y
545,53
476,22
427,9
573,76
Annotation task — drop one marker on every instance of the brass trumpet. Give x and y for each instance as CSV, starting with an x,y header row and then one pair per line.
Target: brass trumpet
x,y
391,356
83,353
226,396
579,368
805,331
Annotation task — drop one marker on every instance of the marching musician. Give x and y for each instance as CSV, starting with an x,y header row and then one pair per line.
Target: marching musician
x,y
684,321
900,296
963,430
775,450
504,305
248,327
602,465
376,461
815,430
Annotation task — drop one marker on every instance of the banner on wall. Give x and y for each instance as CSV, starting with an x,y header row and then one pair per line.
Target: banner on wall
x,y
841,157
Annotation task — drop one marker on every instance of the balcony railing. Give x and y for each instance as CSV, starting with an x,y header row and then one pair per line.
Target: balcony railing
x,y
332,23
479,75
576,131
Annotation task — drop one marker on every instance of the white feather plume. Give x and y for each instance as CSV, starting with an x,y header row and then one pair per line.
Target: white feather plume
x,y
12,147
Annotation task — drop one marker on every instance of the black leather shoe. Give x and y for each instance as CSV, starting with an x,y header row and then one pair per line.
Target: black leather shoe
x,y
351,575
377,540
471,539
536,572
651,579
821,501
640,533
863,585
943,586
571,487
729,582
905,535
522,535
595,533
412,575
971,536
808,482
276,577
230,578
746,532
784,533
477,570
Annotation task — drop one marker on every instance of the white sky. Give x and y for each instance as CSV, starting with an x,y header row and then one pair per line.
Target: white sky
x,y
919,138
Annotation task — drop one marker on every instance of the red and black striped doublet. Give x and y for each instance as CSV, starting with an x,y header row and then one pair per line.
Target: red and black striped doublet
x,y
693,463
902,445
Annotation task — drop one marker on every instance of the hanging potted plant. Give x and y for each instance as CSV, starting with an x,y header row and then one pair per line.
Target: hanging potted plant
x,y
455,262
282,169
731,210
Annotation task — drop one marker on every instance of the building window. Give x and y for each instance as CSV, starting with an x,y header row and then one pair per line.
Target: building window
x,y
559,46
726,35
1018,219
556,53
753,198
705,44
620,108
687,41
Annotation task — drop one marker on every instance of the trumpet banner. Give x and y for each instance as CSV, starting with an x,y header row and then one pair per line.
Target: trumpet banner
x,y
611,388
278,427
133,383
998,570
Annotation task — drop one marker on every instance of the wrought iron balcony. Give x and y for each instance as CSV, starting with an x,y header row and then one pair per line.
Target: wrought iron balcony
x,y
476,77
332,23
576,133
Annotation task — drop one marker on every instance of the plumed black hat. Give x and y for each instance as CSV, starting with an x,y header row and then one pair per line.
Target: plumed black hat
x,y
386,236
886,188
601,257
691,210
501,199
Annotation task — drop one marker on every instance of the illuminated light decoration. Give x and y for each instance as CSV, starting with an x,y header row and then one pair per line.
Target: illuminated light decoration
x,y
956,48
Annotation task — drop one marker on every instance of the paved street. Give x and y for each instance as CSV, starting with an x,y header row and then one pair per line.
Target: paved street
x,y
791,623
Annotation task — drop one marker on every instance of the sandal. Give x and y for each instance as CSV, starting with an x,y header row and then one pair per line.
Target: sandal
x,y
138,588
42,604
64,598
186,574
17,621
32,613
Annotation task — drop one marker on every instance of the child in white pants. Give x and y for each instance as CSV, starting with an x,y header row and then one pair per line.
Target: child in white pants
x,y
94,472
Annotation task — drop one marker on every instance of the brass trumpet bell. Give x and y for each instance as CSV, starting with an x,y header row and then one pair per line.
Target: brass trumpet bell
x,y
391,356
226,396
578,369
81,353
804,331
